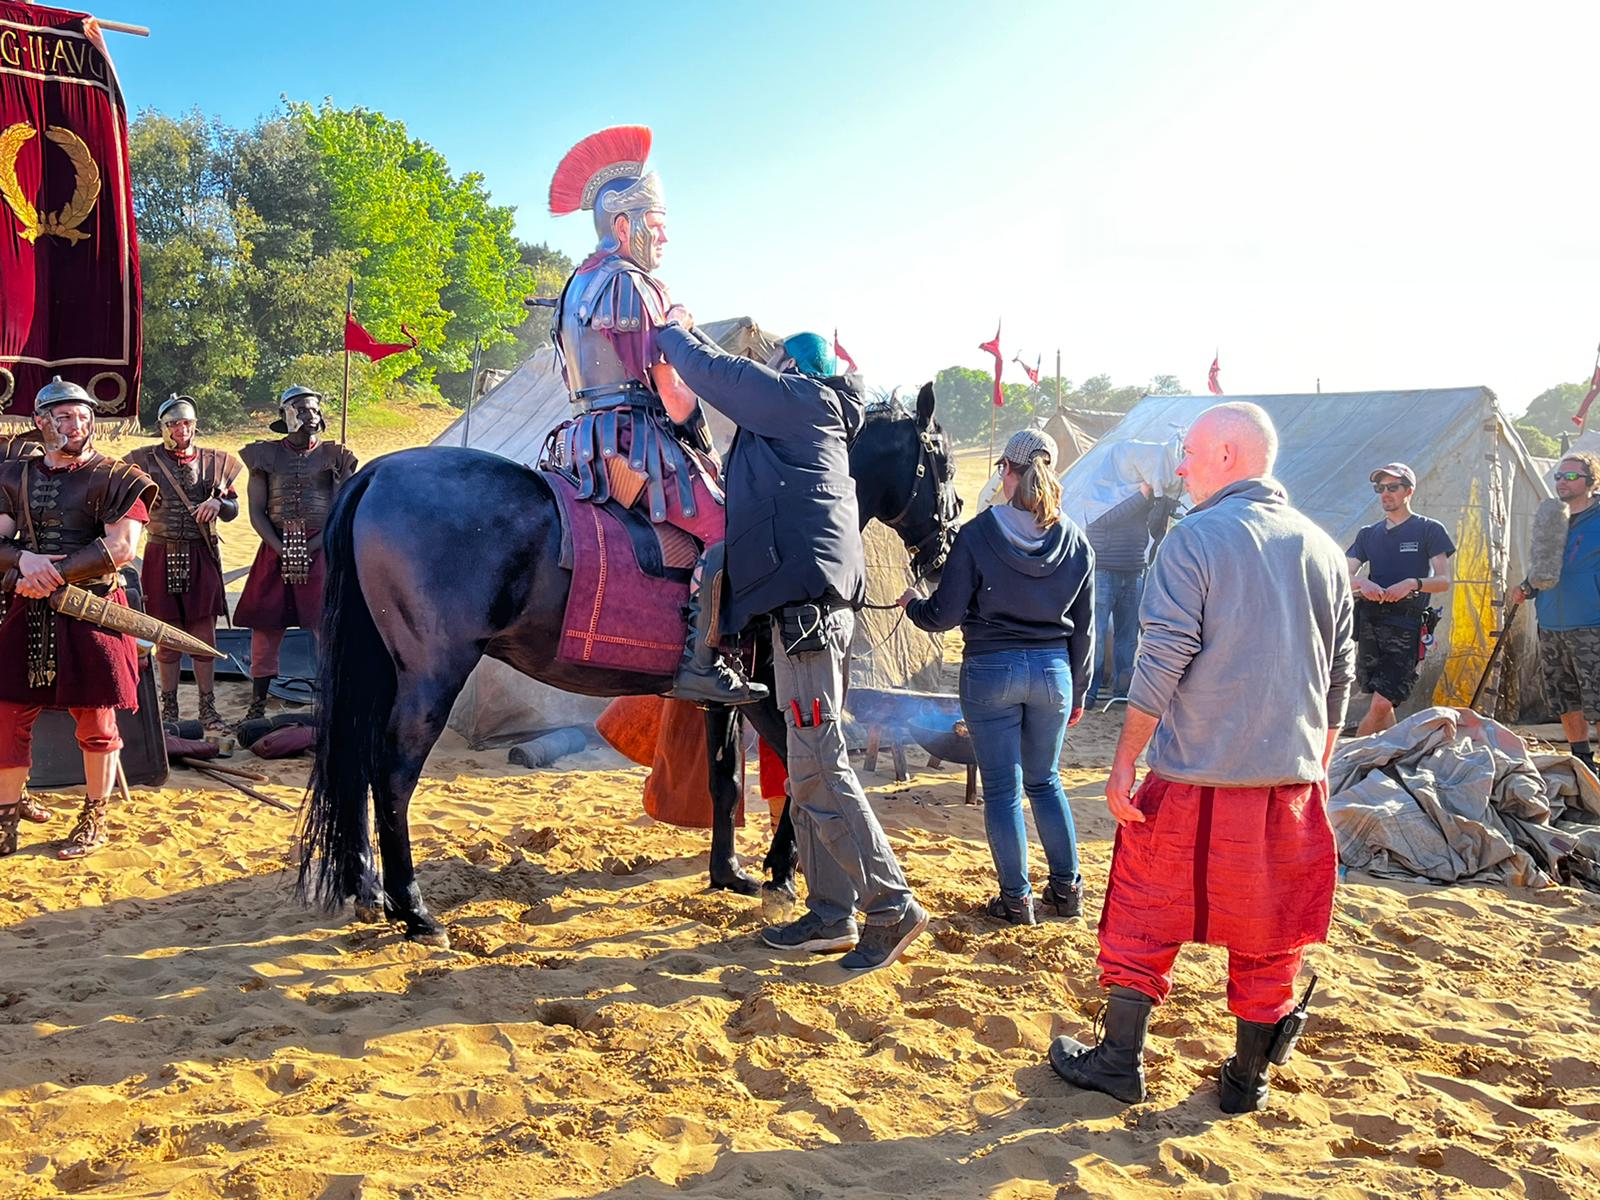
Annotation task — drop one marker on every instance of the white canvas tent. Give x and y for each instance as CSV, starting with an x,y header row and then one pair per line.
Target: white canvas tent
x,y
1473,474
500,705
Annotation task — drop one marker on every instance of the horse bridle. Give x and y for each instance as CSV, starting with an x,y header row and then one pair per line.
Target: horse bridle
x,y
925,465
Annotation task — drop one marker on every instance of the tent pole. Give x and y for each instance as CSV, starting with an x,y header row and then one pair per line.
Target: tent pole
x,y
472,391
1058,380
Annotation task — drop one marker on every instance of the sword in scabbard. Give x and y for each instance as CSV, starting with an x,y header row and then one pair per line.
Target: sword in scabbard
x,y
81,605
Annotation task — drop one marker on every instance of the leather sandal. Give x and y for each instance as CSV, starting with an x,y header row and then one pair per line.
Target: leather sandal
x,y
89,832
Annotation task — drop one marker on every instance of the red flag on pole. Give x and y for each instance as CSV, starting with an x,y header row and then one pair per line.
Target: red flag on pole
x,y
1211,378
1031,372
993,347
1594,390
358,341
840,352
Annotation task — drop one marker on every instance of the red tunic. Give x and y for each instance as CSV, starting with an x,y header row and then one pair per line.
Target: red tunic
x,y
267,602
1252,869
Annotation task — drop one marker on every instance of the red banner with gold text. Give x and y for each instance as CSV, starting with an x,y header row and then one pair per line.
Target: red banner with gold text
x,y
69,255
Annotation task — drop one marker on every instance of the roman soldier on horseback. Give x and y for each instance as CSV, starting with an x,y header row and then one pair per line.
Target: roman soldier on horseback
x,y
68,516
182,573
640,437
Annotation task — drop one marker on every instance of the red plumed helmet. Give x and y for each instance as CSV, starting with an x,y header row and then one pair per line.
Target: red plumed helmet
x,y
615,153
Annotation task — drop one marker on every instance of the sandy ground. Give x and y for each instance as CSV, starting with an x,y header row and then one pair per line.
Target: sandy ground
x,y
172,1023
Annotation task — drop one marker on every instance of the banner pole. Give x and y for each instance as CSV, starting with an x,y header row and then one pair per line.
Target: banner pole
x,y
1058,380
344,401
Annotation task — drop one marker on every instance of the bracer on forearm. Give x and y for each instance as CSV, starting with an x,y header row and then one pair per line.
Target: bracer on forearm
x,y
90,562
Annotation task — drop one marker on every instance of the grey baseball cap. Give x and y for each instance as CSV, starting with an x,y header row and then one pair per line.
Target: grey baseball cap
x,y
1398,470
1025,443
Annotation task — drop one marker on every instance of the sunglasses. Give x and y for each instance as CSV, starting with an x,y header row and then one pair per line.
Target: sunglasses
x,y
1381,488
1569,476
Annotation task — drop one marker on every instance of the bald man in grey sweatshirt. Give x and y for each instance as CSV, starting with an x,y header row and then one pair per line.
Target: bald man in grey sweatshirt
x,y
1244,671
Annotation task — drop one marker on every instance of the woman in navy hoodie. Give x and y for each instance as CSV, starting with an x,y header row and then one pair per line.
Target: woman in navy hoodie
x,y
1020,583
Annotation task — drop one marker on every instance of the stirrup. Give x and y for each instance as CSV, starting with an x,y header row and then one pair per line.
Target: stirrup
x,y
88,834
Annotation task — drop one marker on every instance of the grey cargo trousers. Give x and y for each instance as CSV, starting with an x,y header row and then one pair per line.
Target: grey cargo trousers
x,y
846,858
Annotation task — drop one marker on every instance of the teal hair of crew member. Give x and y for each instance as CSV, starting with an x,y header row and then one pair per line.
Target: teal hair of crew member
x,y
812,354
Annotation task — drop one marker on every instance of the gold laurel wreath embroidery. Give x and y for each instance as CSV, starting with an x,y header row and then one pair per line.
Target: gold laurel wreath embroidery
x,y
86,174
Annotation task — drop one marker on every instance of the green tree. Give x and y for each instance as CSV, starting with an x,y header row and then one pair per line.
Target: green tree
x,y
434,252
295,280
1551,410
194,262
1537,440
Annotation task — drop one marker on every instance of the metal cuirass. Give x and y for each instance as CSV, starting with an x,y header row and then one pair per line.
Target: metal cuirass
x,y
612,297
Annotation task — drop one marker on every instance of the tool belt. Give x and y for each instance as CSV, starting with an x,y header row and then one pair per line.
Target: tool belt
x,y
1407,613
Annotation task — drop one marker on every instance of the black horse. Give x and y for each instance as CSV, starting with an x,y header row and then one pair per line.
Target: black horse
x,y
437,557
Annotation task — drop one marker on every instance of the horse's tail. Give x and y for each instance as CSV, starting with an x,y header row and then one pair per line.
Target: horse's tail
x,y
356,690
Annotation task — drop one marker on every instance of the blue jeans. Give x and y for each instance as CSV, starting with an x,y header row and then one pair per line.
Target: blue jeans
x,y
1116,629
1016,704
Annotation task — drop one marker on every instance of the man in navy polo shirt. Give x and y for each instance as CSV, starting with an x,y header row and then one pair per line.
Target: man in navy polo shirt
x,y
1408,560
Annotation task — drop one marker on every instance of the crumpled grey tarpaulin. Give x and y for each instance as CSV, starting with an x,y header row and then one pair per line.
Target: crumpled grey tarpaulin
x,y
1450,796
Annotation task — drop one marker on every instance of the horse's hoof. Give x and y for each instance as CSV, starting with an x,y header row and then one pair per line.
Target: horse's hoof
x,y
429,935
738,881
370,914
778,900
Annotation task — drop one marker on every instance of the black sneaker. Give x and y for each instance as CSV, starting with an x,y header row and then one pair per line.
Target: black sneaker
x,y
1013,910
880,945
810,933
1063,900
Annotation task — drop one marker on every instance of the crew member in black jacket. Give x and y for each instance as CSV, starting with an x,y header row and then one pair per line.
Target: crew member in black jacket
x,y
794,552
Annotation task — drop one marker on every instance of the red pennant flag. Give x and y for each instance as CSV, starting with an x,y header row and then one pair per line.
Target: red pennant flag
x,y
358,341
1594,390
1211,379
993,347
840,352
1031,372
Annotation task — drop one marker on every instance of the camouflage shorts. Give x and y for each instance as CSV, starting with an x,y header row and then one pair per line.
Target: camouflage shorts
x,y
1570,660
1387,660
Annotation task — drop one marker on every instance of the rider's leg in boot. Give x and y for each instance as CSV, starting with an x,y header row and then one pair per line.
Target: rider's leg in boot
x,y
1115,1065
1242,1084
704,676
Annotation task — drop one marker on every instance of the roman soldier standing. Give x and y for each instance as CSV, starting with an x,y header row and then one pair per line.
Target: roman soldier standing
x,y
182,573
69,515
293,481
640,437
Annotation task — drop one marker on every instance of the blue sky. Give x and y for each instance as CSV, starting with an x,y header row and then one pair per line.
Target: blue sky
x,y
1376,195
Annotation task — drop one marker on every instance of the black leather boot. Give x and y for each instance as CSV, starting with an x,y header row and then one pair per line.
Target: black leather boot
x,y
1115,1065
1242,1083
704,676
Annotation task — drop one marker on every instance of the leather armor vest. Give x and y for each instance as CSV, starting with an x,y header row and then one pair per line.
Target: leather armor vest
x,y
208,473
300,486
70,509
